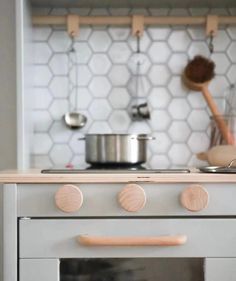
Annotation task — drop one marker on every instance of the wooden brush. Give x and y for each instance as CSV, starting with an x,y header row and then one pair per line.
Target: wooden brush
x,y
197,75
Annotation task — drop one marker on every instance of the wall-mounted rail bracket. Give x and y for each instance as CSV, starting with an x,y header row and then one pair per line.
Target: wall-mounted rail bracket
x,y
137,25
73,25
212,23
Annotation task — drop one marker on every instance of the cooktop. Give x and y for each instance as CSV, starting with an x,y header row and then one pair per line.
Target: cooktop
x,y
90,170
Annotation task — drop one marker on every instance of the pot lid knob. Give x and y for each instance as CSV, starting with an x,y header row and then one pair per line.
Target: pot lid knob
x,y
132,198
69,198
194,198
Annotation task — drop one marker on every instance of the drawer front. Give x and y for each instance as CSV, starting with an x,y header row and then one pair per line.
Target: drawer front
x,y
58,238
38,200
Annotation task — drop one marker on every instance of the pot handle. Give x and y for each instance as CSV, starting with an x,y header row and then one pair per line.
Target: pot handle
x,y
145,138
82,138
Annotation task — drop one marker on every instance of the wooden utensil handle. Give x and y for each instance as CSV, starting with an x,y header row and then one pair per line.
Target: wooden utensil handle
x,y
218,117
132,241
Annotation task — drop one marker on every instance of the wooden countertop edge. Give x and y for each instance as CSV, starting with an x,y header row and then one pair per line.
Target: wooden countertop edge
x,y
36,177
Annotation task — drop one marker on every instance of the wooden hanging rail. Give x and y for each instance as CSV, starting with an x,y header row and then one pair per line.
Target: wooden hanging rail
x,y
127,20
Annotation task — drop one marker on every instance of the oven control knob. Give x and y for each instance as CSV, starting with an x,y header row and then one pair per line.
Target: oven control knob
x,y
132,198
69,198
194,198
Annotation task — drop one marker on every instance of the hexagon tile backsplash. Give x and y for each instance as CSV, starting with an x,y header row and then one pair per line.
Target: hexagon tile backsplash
x,y
179,118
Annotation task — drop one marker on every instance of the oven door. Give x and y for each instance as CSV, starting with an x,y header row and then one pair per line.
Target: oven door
x,y
128,269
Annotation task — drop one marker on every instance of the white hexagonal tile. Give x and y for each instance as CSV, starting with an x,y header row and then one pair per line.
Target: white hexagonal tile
x,y
100,86
100,126
99,41
83,52
42,120
84,97
85,32
159,162
139,64
159,52
119,34
84,75
176,87
160,120
218,85
79,11
231,74
222,63
139,86
179,40
194,162
161,144
42,53
42,143
198,142
144,42
59,41
159,11
116,11
100,109
43,76
59,87
231,52
179,131
119,98
60,155
41,34
196,100
198,48
198,11
158,33
119,52
177,63
99,12
99,64
197,33
79,161
59,132
58,11
179,154
198,120
59,64
41,162
137,127
179,109
179,12
58,108
159,97
42,98
119,75
77,144
159,75
119,121
221,41
232,32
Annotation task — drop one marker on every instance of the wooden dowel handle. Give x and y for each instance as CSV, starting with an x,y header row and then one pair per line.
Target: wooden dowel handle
x,y
218,117
132,241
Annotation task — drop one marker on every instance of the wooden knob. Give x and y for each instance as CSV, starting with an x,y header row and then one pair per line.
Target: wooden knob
x,y
194,198
69,198
132,198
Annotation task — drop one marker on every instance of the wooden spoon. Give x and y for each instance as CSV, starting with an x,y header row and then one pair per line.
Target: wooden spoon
x,y
203,87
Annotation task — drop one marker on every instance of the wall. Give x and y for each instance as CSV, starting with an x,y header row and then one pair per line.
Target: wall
x,y
7,95
179,118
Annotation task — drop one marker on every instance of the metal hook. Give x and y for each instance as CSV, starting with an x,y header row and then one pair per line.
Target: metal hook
x,y
138,41
211,44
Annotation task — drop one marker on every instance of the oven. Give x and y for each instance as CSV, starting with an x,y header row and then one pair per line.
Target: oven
x,y
133,231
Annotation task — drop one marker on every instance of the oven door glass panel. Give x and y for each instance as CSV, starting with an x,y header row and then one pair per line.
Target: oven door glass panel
x,y
132,269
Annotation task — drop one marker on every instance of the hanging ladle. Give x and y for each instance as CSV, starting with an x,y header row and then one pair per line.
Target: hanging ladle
x,y
73,119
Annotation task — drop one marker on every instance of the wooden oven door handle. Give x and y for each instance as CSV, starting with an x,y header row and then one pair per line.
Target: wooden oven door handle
x,y
176,240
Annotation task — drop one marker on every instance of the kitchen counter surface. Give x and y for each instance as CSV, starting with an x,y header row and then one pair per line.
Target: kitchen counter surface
x,y
35,176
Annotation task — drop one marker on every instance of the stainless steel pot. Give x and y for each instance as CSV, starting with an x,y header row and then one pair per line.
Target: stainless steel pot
x,y
116,149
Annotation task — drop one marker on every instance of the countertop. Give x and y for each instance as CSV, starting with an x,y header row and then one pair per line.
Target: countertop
x,y
35,176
